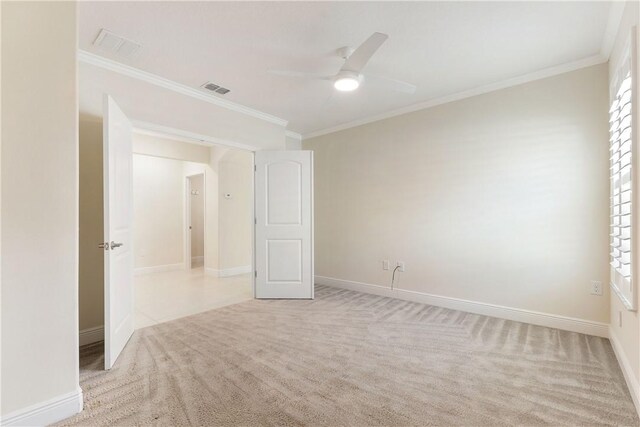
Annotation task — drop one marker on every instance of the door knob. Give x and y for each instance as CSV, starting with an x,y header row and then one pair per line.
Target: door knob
x,y
115,245
104,246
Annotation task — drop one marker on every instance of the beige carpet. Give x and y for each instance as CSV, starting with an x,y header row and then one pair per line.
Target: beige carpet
x,y
348,358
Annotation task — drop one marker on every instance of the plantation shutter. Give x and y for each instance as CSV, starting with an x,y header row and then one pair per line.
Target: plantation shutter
x,y
622,149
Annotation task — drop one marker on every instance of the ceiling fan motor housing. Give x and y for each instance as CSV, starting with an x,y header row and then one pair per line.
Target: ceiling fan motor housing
x,y
347,80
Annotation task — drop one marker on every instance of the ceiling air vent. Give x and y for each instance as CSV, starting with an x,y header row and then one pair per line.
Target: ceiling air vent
x,y
111,42
215,88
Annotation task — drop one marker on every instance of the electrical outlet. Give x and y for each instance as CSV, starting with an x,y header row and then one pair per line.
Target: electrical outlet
x,y
401,265
596,287
385,264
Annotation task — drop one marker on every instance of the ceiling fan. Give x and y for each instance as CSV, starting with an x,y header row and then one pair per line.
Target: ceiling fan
x,y
350,76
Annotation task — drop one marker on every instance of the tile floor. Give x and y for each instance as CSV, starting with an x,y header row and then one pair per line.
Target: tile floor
x,y
160,297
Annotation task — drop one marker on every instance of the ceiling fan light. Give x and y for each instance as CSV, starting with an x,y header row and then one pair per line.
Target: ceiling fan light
x,y
346,83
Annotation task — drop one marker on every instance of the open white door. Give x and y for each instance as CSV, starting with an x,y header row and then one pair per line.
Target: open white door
x,y
118,221
284,224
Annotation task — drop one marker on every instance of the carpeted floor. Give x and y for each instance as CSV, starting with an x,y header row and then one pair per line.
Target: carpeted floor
x,y
348,358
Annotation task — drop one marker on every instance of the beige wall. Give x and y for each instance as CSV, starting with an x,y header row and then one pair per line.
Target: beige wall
x,y
236,213
500,198
158,209
197,215
39,204
627,334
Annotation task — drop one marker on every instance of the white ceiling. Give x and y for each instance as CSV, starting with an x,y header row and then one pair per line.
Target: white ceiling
x,y
443,47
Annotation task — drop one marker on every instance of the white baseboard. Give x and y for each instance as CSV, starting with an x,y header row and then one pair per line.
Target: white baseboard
x,y
526,316
158,269
48,412
627,371
91,335
234,271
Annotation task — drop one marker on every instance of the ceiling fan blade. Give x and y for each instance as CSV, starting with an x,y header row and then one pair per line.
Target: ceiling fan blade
x,y
364,52
299,74
394,84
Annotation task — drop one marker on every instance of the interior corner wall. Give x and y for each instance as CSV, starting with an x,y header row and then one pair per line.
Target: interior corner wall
x,y
39,208
500,198
624,326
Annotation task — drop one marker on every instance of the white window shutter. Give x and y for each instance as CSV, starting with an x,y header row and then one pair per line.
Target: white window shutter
x,y
622,174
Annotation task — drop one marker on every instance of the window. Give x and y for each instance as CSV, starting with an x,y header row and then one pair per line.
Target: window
x,y
622,172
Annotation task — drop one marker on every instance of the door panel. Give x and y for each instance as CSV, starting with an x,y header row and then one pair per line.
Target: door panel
x,y
283,195
284,224
284,261
118,220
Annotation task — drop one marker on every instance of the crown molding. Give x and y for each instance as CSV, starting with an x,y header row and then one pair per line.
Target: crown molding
x,y
515,81
616,10
293,135
126,70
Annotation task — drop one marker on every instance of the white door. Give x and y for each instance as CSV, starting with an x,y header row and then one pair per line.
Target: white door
x,y
284,224
118,219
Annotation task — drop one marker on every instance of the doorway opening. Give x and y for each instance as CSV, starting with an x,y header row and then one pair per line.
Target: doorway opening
x,y
195,214
192,227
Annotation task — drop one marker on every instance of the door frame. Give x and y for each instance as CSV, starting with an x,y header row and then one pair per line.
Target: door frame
x,y
187,218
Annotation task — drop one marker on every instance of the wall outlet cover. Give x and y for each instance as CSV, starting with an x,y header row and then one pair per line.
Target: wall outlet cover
x,y
596,287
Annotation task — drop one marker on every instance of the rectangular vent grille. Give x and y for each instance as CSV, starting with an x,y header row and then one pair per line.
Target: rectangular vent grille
x,y
216,88
114,43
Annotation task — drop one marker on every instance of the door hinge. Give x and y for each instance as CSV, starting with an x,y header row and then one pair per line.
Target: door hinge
x,y
255,168
256,273
255,221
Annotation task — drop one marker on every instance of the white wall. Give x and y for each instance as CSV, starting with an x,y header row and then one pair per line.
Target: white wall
x,y
158,208
500,198
39,209
626,336
197,216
